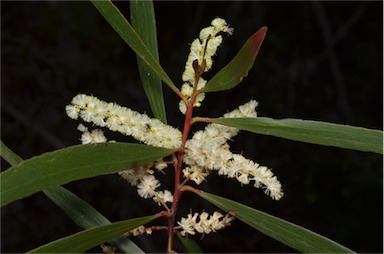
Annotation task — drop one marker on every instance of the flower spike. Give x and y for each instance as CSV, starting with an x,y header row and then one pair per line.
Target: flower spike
x,y
200,60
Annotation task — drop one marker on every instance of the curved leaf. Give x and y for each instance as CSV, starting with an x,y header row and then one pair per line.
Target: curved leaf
x,y
315,132
73,163
9,155
129,35
77,209
89,238
283,231
143,21
234,72
190,245
86,216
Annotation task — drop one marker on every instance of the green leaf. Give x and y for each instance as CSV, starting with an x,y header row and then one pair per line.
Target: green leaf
x,y
143,21
9,155
89,238
77,209
86,216
190,245
73,163
292,235
234,72
129,35
315,132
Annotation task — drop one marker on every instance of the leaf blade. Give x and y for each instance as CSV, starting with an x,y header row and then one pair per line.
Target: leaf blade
x,y
283,231
315,132
86,216
143,21
77,209
120,24
9,155
84,240
190,245
234,72
73,163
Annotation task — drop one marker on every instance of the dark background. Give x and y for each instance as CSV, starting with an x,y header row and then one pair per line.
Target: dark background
x,y
319,61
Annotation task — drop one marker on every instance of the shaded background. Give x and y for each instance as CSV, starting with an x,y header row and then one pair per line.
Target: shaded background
x,y
319,61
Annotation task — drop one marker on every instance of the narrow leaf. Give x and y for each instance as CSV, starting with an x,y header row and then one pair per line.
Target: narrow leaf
x,y
190,245
86,216
9,155
143,21
89,238
77,209
234,72
129,35
292,235
73,163
315,132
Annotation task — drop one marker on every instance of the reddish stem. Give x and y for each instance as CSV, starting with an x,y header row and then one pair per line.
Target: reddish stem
x,y
177,188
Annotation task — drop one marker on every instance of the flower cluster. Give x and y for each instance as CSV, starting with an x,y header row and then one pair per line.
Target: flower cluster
x,y
200,60
208,150
95,136
147,184
139,231
142,177
206,223
124,120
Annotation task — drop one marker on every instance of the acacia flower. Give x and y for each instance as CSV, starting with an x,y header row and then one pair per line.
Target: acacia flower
x,y
133,176
188,224
163,197
147,186
208,150
143,177
206,223
95,136
201,52
148,130
139,231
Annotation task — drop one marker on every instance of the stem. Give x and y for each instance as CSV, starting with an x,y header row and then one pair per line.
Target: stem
x,y
177,188
201,119
178,164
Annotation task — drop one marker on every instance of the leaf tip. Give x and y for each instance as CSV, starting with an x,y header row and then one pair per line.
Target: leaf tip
x,y
257,38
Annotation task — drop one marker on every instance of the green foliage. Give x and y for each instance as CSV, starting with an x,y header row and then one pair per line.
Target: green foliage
x,y
315,132
9,155
77,209
144,23
129,35
73,163
234,72
86,216
288,233
89,238
189,244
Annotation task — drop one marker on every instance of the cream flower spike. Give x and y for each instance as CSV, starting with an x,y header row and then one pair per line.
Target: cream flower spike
x,y
201,52
148,130
206,223
208,150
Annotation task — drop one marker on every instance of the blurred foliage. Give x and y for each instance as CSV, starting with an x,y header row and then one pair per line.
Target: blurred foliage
x,y
319,61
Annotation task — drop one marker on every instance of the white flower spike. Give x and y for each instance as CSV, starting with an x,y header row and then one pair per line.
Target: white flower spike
x,y
124,120
200,60
208,151
206,223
